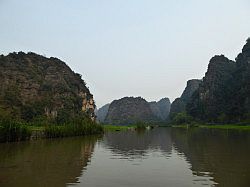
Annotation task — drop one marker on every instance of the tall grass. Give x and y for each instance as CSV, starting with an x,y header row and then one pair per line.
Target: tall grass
x,y
74,128
11,131
117,127
141,125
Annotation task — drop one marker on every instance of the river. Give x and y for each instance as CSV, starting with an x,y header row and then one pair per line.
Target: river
x,y
151,158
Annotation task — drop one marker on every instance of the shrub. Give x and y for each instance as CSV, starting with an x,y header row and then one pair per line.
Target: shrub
x,y
140,125
74,128
13,131
182,118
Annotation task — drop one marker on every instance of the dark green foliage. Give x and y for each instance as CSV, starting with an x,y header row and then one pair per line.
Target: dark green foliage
x,y
78,127
31,111
63,116
42,92
224,94
33,86
12,96
177,106
182,118
140,125
11,130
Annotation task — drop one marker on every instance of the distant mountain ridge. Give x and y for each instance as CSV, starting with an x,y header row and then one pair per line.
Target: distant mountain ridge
x,y
161,108
102,112
129,110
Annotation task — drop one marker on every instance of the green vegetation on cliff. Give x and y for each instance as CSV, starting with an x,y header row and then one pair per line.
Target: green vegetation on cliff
x,y
179,104
221,97
34,87
36,91
224,94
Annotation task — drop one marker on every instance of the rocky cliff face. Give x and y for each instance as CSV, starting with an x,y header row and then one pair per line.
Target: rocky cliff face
x,y
192,86
129,110
161,108
224,93
102,113
33,86
179,104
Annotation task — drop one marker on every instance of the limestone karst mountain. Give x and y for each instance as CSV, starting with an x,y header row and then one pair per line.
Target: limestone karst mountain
x,y
102,113
161,108
224,94
179,104
34,87
130,110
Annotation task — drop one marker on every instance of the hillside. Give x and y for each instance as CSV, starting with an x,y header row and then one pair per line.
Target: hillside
x,y
161,108
129,110
179,104
224,94
34,87
102,113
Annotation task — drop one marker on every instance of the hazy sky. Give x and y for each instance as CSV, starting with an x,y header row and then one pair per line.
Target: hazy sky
x,y
147,48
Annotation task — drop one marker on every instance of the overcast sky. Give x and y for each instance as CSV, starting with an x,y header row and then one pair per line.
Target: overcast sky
x,y
147,48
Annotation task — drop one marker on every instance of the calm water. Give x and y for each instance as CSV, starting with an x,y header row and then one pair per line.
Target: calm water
x,y
159,157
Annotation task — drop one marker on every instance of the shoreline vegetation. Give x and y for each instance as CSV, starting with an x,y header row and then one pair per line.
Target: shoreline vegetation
x,y
43,97
13,130
217,126
118,127
113,128
136,126
183,120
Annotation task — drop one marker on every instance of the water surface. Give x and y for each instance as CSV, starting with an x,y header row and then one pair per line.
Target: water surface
x,y
158,157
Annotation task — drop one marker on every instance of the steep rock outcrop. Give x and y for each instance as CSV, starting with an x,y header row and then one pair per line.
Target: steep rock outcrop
x,y
161,108
129,110
224,94
33,86
211,98
179,104
192,86
102,113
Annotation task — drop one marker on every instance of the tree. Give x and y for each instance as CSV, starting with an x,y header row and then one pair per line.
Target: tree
x,y
182,118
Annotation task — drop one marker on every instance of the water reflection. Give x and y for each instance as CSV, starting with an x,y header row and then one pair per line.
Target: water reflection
x,y
218,155
223,155
138,144
44,163
158,157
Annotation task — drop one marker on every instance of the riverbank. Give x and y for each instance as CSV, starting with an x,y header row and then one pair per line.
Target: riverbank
x,y
12,131
226,126
135,126
118,128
